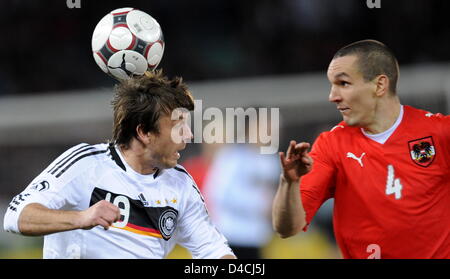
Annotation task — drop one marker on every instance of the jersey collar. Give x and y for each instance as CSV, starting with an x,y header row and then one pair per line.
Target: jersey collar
x,y
384,136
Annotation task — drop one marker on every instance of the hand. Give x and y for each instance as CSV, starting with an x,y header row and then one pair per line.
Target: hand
x,y
102,213
297,162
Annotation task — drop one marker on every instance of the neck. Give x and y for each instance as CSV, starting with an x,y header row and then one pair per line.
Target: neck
x,y
386,113
136,156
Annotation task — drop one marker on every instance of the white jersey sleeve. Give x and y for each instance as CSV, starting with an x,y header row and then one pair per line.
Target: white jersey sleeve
x,y
196,231
55,187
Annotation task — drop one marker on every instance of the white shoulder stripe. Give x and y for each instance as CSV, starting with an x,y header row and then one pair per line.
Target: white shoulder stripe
x,y
337,126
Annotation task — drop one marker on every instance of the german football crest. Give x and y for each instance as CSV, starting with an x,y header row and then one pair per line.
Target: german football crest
x,y
168,223
422,151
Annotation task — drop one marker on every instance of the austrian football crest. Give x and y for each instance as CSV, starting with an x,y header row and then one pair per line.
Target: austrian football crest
x,y
422,151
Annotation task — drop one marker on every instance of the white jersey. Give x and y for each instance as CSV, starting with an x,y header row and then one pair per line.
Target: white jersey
x,y
157,211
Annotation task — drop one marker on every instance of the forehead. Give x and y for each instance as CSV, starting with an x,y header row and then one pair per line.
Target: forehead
x,y
175,116
343,66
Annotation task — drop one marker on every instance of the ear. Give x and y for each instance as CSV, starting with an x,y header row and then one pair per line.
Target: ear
x,y
382,85
144,137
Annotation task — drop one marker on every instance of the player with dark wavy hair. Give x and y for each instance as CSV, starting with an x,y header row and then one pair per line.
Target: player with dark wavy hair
x,y
128,198
387,166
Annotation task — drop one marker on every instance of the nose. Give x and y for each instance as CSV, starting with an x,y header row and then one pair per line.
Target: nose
x,y
334,96
187,133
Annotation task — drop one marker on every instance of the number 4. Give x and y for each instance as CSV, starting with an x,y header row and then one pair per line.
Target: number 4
x,y
393,185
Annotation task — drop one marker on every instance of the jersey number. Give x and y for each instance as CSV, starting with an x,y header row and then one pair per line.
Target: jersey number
x,y
375,251
124,206
393,185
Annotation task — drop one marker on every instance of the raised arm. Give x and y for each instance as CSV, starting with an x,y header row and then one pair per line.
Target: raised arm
x,y
288,214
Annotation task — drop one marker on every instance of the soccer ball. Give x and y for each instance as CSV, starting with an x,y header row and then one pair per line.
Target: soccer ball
x,y
127,42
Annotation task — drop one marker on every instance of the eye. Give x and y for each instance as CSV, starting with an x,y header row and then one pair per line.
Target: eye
x,y
344,83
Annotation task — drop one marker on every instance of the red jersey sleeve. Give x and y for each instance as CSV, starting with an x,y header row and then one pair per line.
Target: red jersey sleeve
x,y
443,121
445,129
318,185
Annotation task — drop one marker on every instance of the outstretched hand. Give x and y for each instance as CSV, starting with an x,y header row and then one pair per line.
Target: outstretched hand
x,y
296,162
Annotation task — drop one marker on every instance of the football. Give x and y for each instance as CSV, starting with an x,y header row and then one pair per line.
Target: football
x,y
127,42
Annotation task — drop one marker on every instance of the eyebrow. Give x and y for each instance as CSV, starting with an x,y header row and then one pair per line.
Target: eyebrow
x,y
342,74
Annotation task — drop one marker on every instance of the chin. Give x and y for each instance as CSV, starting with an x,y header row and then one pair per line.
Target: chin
x,y
350,122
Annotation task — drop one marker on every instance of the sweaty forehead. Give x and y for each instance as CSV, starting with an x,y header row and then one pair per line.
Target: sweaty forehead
x,y
344,66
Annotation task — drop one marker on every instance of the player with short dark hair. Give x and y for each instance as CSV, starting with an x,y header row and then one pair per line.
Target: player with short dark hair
x,y
128,198
386,165
374,59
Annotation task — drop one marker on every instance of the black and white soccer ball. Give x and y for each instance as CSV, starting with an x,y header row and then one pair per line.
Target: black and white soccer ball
x,y
127,42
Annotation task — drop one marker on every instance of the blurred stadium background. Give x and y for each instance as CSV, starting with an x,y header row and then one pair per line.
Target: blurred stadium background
x,y
232,53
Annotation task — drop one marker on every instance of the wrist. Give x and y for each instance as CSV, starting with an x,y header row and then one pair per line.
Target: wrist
x,y
77,219
286,181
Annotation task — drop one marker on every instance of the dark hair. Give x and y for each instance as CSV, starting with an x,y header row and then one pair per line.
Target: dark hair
x,y
142,100
374,59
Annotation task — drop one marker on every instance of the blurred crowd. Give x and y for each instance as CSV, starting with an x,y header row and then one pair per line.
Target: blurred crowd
x,y
46,46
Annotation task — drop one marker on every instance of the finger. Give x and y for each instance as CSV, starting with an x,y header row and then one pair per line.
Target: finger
x,y
105,224
111,213
291,147
111,216
282,159
302,148
307,160
114,209
118,216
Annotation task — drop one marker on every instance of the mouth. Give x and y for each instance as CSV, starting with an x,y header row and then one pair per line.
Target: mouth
x,y
343,109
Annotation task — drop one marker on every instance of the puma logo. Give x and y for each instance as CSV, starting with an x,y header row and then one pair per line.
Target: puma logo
x,y
123,66
359,159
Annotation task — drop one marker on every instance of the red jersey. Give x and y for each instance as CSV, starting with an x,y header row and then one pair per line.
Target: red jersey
x,y
392,200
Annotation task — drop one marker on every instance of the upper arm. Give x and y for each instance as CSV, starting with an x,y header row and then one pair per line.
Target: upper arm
x,y
317,186
44,190
49,189
446,130
442,121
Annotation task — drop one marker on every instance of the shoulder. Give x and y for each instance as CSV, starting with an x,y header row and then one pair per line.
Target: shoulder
x,y
180,174
77,160
338,132
340,137
424,115
427,121
184,180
